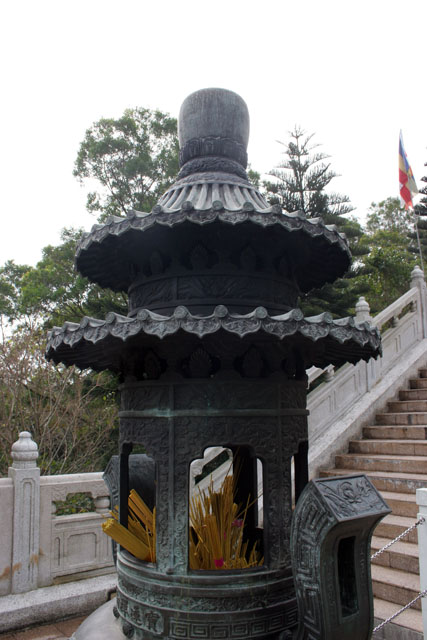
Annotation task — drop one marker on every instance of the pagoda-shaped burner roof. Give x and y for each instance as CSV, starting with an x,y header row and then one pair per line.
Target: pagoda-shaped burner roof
x,y
105,255
212,189
213,261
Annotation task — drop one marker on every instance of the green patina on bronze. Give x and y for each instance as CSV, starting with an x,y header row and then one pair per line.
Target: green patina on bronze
x,y
212,352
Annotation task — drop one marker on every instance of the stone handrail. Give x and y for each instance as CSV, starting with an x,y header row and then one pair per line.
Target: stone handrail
x,y
391,314
393,311
348,398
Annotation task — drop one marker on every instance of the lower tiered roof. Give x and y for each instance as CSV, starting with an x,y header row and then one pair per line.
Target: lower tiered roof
x,y
99,344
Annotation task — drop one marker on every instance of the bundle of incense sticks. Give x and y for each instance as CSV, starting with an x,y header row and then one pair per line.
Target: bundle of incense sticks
x,y
140,536
217,528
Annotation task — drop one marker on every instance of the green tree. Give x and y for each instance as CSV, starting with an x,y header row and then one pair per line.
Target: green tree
x,y
134,159
387,265
299,184
72,415
389,215
11,276
387,268
52,292
301,178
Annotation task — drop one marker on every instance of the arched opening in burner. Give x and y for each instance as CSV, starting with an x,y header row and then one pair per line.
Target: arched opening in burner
x,y
299,472
135,526
226,509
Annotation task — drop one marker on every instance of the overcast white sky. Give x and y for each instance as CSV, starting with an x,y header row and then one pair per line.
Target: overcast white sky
x,y
351,72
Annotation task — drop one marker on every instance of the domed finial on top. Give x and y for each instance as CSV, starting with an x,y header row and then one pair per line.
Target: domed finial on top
x,y
363,311
213,131
417,274
24,451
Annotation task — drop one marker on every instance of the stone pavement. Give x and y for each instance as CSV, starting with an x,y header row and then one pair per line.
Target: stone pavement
x,y
58,602
57,631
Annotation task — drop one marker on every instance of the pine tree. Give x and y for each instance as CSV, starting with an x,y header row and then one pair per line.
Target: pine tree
x,y
301,180
299,185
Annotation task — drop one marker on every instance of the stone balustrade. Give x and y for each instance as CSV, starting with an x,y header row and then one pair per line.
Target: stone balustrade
x,y
37,547
347,399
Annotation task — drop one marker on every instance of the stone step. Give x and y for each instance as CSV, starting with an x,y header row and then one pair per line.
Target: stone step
x,y
401,555
419,417
392,526
385,480
413,394
377,462
418,383
404,447
393,455
395,586
402,504
391,431
410,619
405,406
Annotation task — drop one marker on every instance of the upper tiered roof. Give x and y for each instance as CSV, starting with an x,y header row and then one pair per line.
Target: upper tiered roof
x,y
109,252
212,188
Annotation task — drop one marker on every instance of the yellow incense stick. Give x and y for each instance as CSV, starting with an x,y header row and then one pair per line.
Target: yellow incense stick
x,y
217,527
126,539
216,535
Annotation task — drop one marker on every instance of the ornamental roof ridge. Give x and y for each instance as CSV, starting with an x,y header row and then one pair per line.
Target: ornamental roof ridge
x,y
140,221
91,331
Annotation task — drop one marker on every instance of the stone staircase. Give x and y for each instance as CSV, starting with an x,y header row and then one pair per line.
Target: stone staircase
x,y
393,454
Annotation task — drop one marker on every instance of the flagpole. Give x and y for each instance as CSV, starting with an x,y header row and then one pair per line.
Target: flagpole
x,y
418,240
408,188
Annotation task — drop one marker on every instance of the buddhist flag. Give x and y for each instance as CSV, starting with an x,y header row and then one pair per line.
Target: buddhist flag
x,y
407,185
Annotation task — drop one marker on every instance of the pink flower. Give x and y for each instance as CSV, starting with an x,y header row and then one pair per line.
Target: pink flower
x,y
219,562
237,523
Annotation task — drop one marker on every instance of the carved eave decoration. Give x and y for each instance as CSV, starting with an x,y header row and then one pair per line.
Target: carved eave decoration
x,y
98,344
101,253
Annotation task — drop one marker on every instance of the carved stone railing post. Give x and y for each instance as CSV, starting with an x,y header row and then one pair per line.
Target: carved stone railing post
x,y
363,314
102,504
417,280
362,311
26,513
329,373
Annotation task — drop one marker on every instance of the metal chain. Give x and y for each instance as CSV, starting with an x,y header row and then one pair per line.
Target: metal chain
x,y
380,626
420,595
402,535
